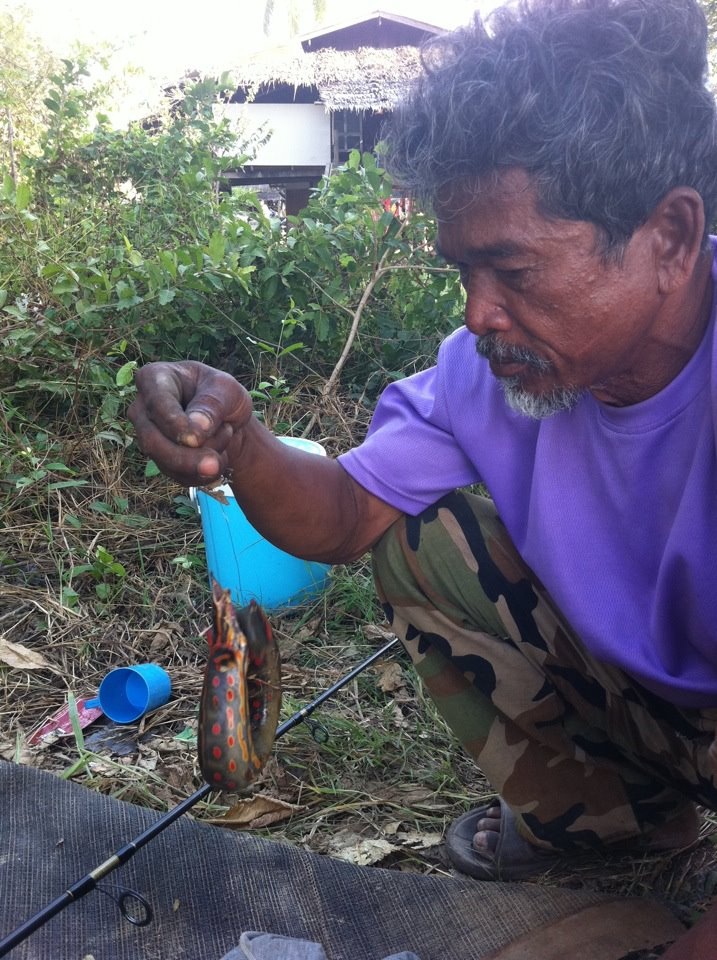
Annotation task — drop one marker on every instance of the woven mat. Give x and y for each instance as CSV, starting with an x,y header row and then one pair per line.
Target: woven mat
x,y
207,885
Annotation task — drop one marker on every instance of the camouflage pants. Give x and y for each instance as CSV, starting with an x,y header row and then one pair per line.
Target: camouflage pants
x,y
583,754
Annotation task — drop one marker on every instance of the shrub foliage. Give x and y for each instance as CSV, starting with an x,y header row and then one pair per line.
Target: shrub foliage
x,y
120,247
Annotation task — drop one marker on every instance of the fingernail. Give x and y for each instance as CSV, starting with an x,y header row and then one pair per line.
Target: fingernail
x,y
200,420
208,467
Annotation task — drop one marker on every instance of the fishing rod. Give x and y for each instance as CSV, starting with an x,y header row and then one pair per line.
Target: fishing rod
x,y
129,900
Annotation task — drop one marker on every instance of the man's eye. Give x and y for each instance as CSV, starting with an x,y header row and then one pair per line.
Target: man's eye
x,y
514,278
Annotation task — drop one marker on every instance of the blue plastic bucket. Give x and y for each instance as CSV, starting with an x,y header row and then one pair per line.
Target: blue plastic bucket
x,y
242,561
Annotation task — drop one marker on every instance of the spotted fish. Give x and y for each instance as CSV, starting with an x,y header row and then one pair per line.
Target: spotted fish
x,y
241,696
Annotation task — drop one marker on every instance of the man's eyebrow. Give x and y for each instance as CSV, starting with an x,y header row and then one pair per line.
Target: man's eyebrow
x,y
497,251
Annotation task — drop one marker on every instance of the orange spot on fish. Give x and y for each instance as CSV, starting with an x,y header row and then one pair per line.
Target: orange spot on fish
x,y
215,681
230,741
232,765
217,777
230,695
231,679
216,729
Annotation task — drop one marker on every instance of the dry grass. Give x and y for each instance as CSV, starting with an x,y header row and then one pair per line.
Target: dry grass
x,y
389,772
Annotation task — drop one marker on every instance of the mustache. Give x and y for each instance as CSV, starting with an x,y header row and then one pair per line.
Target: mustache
x,y
492,348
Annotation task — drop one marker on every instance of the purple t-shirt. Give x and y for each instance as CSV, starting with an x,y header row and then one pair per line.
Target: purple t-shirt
x,y
614,508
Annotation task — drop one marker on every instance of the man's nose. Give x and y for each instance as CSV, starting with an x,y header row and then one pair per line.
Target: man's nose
x,y
484,310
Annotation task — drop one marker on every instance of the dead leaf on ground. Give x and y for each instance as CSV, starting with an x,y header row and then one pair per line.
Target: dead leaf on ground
x,y
390,677
372,631
405,795
398,718
361,851
148,762
101,767
391,828
22,658
18,752
308,630
417,840
256,812
410,795
175,776
161,641
113,740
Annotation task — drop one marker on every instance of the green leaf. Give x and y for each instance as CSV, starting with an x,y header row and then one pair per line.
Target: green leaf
x,y
124,290
70,597
168,260
66,285
22,196
125,374
216,248
321,325
167,295
75,723
64,484
151,469
292,348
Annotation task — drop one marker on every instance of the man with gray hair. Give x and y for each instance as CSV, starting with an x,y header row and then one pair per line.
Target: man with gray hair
x,y
567,627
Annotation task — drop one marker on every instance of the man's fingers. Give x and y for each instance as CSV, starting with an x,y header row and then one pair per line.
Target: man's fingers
x,y
219,399
191,466
184,416
190,402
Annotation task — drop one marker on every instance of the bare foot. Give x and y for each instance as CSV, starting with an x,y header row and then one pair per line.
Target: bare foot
x,y
486,836
676,834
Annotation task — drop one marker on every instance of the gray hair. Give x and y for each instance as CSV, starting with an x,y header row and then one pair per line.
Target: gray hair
x,y
603,102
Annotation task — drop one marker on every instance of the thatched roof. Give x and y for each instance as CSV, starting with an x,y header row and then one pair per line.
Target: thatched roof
x,y
365,79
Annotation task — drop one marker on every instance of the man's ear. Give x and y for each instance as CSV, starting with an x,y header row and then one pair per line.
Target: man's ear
x,y
677,226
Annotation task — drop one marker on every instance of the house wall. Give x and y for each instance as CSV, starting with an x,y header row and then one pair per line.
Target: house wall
x,y
301,132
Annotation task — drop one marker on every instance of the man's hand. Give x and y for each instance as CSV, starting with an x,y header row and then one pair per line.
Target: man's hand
x,y
185,414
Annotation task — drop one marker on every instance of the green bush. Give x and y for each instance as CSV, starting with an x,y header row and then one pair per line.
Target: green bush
x,y
119,247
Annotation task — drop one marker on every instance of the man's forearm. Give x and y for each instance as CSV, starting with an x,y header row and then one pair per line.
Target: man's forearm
x,y
305,504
